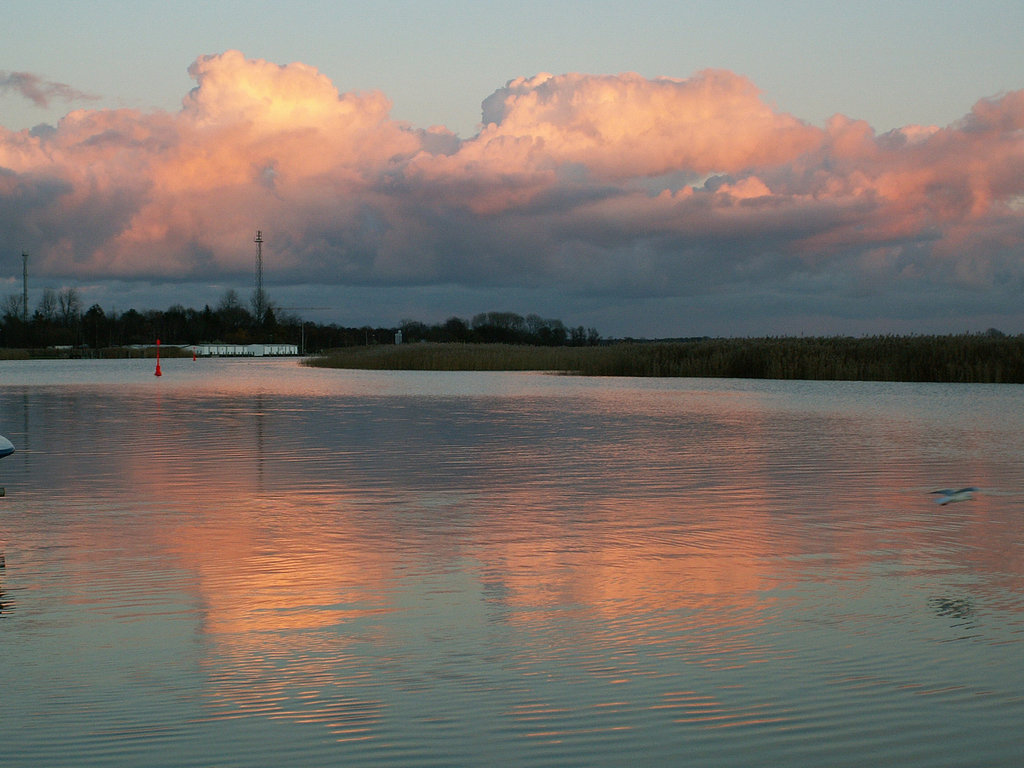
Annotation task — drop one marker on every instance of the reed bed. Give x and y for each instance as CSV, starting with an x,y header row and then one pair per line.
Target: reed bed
x,y
969,358
455,357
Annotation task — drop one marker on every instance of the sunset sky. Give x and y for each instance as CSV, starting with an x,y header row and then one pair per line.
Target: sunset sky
x,y
651,168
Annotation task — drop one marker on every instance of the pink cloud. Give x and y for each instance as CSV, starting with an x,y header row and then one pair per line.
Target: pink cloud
x,y
623,126
588,178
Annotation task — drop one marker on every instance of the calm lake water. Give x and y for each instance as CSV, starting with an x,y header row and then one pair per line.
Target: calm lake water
x,y
252,563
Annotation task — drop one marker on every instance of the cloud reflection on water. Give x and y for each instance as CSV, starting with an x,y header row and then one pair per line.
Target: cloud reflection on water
x,y
383,566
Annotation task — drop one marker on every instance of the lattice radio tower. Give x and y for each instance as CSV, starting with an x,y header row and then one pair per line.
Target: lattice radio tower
x,y
259,303
24,287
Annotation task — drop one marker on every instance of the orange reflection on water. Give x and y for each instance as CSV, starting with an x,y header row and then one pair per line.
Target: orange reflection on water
x,y
285,589
678,544
613,562
684,552
257,580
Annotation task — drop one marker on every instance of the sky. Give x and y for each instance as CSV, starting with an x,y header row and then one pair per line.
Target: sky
x,y
649,169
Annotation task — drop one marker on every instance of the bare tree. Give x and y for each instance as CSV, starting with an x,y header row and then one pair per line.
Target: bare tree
x,y
12,306
70,306
231,312
229,301
47,307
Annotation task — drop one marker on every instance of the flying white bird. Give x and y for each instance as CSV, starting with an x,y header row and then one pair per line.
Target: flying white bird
x,y
948,495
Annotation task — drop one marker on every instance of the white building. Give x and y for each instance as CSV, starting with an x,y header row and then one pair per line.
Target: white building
x,y
243,350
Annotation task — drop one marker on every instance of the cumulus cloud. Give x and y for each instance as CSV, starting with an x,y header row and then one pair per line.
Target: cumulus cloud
x,y
601,185
624,126
39,91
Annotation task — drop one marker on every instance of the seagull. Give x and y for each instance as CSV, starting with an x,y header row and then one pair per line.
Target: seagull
x,y
948,495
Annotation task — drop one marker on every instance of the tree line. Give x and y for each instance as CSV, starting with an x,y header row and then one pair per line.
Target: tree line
x,y
501,328
58,320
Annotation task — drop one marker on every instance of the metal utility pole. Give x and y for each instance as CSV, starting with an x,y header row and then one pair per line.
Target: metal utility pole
x,y
24,287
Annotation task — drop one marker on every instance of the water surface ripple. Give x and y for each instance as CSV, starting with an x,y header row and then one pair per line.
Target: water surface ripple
x,y
248,562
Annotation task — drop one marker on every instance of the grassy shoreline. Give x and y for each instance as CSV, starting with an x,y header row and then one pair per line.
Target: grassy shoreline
x,y
968,358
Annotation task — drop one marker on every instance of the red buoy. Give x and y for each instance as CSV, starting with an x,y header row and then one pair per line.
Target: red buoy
x,y
157,372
